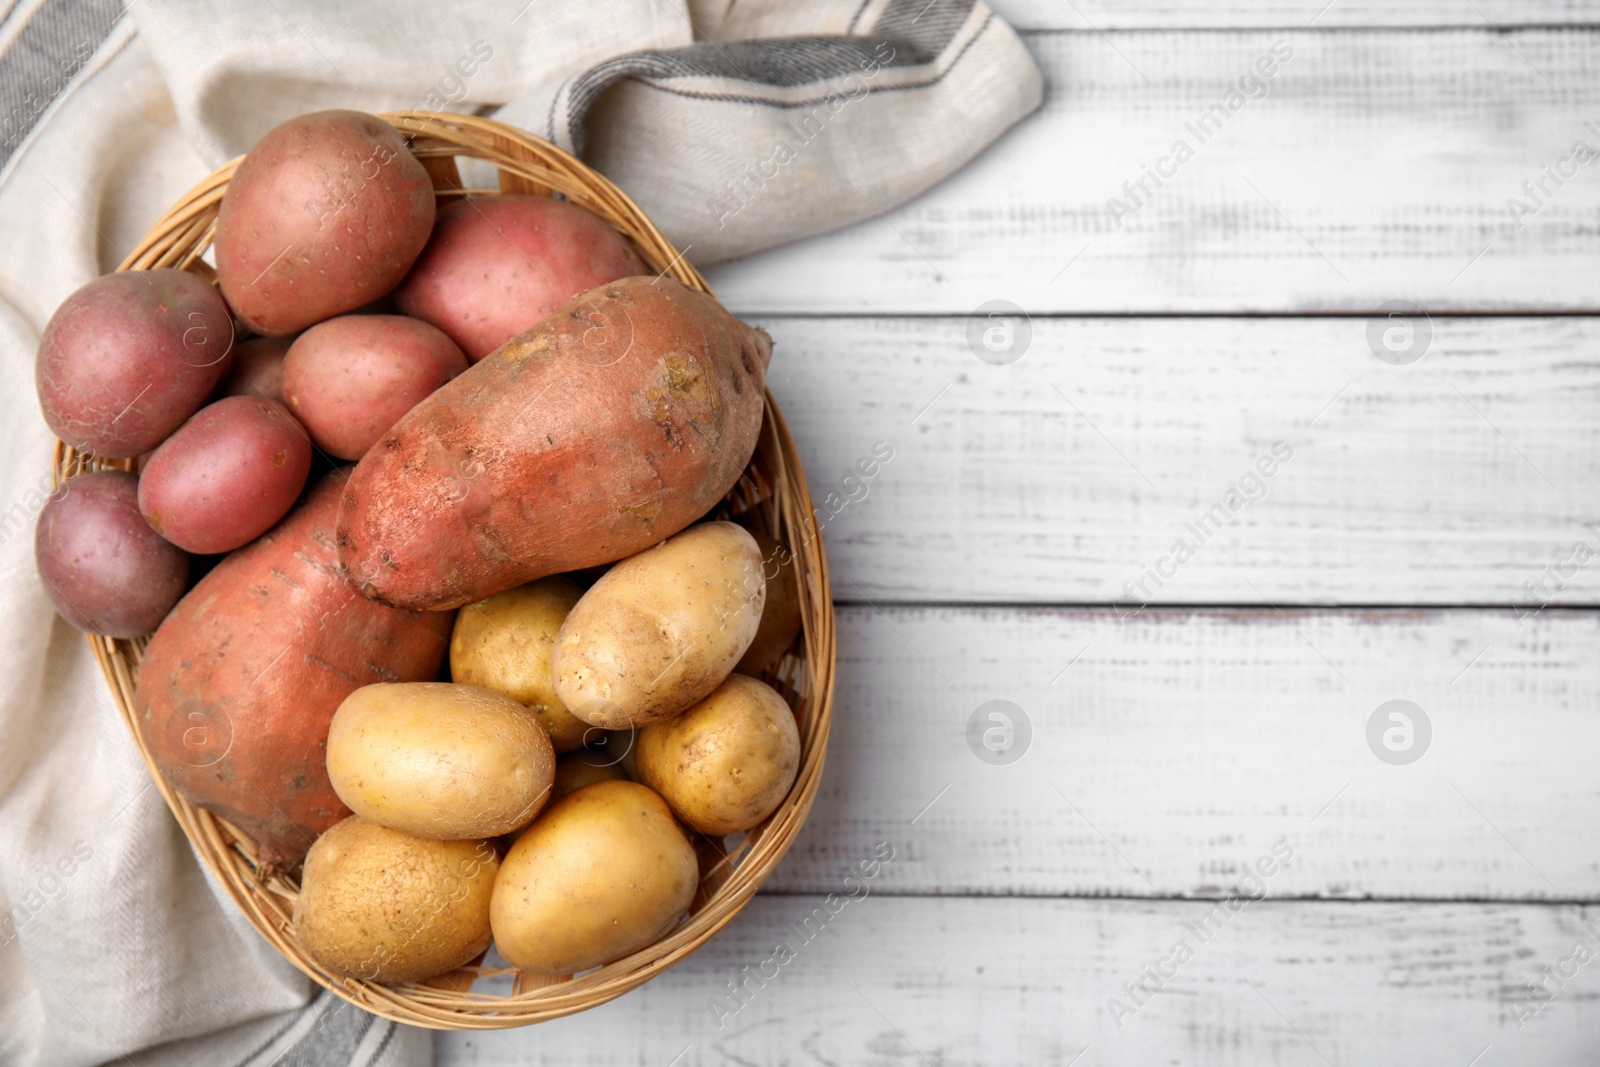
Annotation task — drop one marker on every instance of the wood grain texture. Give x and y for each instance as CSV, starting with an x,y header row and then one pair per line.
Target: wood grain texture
x,y
1062,477
956,982
1222,14
1378,166
1172,749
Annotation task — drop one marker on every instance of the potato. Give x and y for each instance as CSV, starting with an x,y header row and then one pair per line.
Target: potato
x,y
102,566
387,906
504,644
237,687
726,763
257,369
780,616
351,378
497,265
662,629
125,359
613,424
604,872
586,767
226,476
326,213
434,759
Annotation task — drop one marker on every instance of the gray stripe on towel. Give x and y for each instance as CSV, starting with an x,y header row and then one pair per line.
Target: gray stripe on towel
x,y
51,50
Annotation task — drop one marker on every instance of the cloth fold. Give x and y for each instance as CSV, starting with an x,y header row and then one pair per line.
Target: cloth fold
x,y
735,126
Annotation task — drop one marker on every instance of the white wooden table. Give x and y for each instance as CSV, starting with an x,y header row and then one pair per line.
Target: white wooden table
x,y
1072,906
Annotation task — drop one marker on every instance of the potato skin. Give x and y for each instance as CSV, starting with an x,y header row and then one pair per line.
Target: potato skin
x,y
478,281
257,369
661,629
326,213
604,872
780,616
453,762
237,687
387,906
504,644
351,378
125,359
556,452
586,767
726,763
102,566
226,476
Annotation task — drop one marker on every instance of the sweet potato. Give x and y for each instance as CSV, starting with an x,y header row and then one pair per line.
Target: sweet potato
x,y
610,426
239,684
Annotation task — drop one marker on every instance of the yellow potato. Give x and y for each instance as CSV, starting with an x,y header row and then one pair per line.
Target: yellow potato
x,y
586,767
726,763
601,874
662,629
441,760
780,618
503,643
388,906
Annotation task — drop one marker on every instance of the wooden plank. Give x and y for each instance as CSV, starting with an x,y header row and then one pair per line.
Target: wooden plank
x,y
1090,15
1065,475
1172,749
964,981
1378,166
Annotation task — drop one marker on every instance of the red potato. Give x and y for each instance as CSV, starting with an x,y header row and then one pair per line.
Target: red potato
x,y
351,378
238,686
226,476
612,425
104,569
326,213
257,369
497,265
125,359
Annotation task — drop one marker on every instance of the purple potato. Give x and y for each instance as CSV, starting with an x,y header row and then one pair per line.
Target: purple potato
x,y
104,568
125,359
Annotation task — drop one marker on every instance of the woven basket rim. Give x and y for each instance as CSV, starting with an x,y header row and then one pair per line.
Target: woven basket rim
x,y
773,492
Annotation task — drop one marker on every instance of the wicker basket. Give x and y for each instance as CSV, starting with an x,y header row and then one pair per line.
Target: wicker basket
x,y
771,497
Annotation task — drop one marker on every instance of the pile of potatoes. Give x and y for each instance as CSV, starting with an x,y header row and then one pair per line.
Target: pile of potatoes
x,y
495,679
584,730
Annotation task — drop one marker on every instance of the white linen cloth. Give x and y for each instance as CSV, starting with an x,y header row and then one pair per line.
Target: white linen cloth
x,y
735,126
